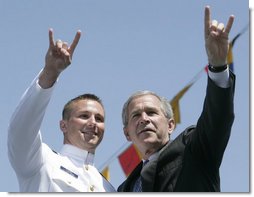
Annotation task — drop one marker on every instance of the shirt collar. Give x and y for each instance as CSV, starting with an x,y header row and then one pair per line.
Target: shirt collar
x,y
153,156
78,154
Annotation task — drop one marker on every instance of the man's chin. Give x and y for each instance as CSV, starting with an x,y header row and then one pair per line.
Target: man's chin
x,y
93,143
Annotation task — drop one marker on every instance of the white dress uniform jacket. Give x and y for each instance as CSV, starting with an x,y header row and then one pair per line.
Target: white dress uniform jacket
x,y
38,168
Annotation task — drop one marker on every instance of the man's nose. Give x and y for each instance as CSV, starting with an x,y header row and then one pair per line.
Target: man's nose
x,y
91,121
144,119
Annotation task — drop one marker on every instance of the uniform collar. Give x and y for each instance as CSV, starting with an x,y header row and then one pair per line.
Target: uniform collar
x,y
78,154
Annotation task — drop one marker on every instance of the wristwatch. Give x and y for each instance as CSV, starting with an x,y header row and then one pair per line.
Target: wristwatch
x,y
217,69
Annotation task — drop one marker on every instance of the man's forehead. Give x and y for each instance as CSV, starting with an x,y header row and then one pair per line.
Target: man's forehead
x,y
86,103
144,101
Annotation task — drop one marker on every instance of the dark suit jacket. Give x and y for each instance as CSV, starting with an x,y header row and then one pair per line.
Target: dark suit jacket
x,y
191,162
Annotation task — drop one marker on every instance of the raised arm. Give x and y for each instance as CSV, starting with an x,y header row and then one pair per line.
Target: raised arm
x,y
216,39
58,58
24,137
214,125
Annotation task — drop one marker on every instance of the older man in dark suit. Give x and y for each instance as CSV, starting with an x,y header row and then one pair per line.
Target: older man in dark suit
x,y
191,162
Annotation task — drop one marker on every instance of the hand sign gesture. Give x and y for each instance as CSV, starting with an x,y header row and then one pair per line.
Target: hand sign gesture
x,y
58,58
59,54
216,39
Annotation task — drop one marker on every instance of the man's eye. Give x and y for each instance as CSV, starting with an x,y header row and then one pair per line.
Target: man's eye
x,y
99,119
134,115
84,116
150,113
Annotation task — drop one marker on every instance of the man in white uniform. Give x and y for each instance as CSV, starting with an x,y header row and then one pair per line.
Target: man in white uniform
x,y
38,168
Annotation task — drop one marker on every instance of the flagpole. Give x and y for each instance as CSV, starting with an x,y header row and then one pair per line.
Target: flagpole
x,y
197,76
240,33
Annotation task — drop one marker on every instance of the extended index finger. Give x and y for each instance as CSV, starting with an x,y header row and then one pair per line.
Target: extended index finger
x,y
207,20
75,42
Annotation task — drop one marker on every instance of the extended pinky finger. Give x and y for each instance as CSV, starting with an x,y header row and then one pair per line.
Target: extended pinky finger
x,y
51,38
75,42
230,24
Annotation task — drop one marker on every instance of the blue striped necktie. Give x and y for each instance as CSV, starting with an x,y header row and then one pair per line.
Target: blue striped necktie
x,y
138,183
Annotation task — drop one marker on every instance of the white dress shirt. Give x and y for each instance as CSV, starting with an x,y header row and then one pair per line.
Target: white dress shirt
x,y
38,168
221,79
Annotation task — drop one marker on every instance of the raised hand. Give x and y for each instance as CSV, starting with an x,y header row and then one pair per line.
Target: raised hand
x,y
217,39
59,55
58,58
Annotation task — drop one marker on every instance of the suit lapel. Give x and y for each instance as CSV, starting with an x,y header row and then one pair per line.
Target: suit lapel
x,y
148,176
130,181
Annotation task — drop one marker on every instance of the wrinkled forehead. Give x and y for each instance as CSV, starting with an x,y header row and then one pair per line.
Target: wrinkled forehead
x,y
143,102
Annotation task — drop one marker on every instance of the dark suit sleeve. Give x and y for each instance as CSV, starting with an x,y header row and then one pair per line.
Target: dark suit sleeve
x,y
210,138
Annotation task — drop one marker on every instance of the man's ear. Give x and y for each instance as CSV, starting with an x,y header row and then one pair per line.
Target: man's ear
x,y
171,125
126,134
63,126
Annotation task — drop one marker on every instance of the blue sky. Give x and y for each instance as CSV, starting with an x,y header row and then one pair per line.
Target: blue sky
x,y
126,45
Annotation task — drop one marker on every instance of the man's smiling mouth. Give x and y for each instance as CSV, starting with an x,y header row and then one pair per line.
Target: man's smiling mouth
x,y
88,132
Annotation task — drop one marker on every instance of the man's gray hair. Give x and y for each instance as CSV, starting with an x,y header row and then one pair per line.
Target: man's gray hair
x,y
165,105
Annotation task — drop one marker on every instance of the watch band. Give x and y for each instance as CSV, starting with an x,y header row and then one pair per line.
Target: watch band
x,y
217,69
